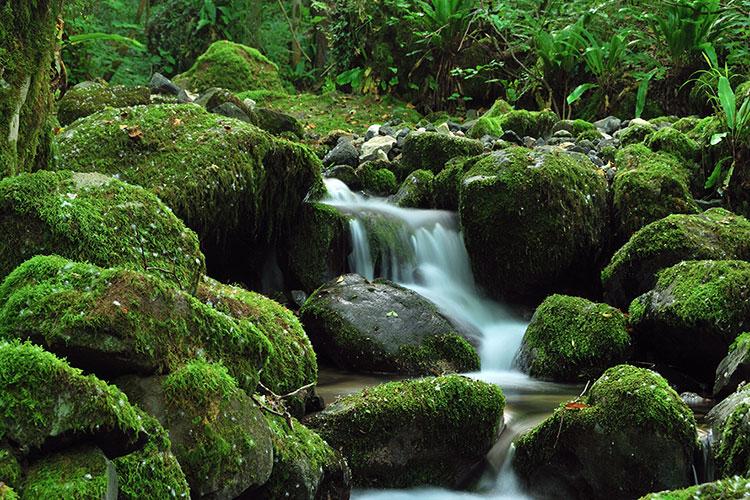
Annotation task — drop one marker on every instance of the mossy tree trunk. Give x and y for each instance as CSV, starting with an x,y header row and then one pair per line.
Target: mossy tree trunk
x,y
27,46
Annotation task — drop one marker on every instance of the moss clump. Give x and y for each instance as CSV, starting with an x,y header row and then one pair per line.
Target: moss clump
x,y
632,417
648,187
43,398
291,362
694,313
304,465
635,133
234,184
670,140
218,434
486,126
417,190
318,252
424,431
731,431
10,469
27,43
115,321
529,123
447,184
94,218
76,473
89,97
571,339
713,234
232,66
431,151
498,109
733,487
7,493
378,181
532,220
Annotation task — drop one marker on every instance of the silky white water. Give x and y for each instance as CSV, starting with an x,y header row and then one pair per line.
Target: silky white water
x,y
424,250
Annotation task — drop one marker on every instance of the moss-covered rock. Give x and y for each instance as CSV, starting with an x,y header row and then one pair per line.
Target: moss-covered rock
x,y
27,45
291,362
572,339
529,123
635,133
416,191
377,180
304,466
80,472
89,97
672,141
734,369
10,469
630,435
431,151
730,428
498,109
713,234
218,435
425,431
733,487
44,399
485,126
647,187
232,66
237,186
447,184
694,313
318,247
382,327
532,220
95,218
115,321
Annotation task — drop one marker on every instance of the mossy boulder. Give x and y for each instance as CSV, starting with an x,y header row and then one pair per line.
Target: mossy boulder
x,y
694,313
232,66
304,466
89,97
730,427
630,435
647,187
498,109
94,218
218,434
434,430
447,184
733,487
714,234
528,123
635,133
117,321
571,339
382,327
533,221
318,247
431,151
734,369
485,126
79,472
376,179
416,191
237,186
672,141
290,363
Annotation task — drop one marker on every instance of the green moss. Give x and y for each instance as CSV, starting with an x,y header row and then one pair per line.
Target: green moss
x,y
686,124
75,474
704,129
486,126
713,234
447,184
635,134
43,397
89,97
450,346
592,135
499,108
229,181
291,362
10,469
670,140
531,218
141,323
441,422
234,67
7,493
91,217
529,123
571,339
417,190
378,181
27,42
431,151
734,487
648,187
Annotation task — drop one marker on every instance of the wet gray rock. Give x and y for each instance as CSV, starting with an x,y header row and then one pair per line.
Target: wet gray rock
x,y
344,153
160,84
609,125
734,368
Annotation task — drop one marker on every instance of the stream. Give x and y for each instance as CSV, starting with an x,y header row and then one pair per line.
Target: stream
x,y
424,250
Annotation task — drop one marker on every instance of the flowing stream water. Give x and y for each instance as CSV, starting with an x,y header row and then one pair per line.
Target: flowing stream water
x,y
424,250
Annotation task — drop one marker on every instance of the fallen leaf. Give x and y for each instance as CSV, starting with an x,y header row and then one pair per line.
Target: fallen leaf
x,y
575,405
135,133
176,122
391,314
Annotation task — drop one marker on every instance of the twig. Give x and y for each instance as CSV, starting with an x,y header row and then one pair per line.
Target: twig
x,y
294,32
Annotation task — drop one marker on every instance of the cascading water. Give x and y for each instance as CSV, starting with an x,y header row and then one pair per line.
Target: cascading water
x,y
424,250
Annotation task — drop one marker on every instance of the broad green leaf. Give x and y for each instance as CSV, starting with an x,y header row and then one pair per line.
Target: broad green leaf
x,y
728,101
717,138
579,91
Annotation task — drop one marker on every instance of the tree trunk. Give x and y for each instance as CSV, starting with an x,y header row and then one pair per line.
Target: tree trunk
x,y
27,46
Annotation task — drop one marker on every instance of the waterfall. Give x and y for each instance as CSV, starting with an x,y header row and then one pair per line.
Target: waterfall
x,y
424,250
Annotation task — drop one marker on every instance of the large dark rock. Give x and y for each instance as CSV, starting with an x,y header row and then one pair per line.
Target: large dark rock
x,y
693,314
431,151
428,431
630,435
734,369
344,153
382,327
730,427
89,97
